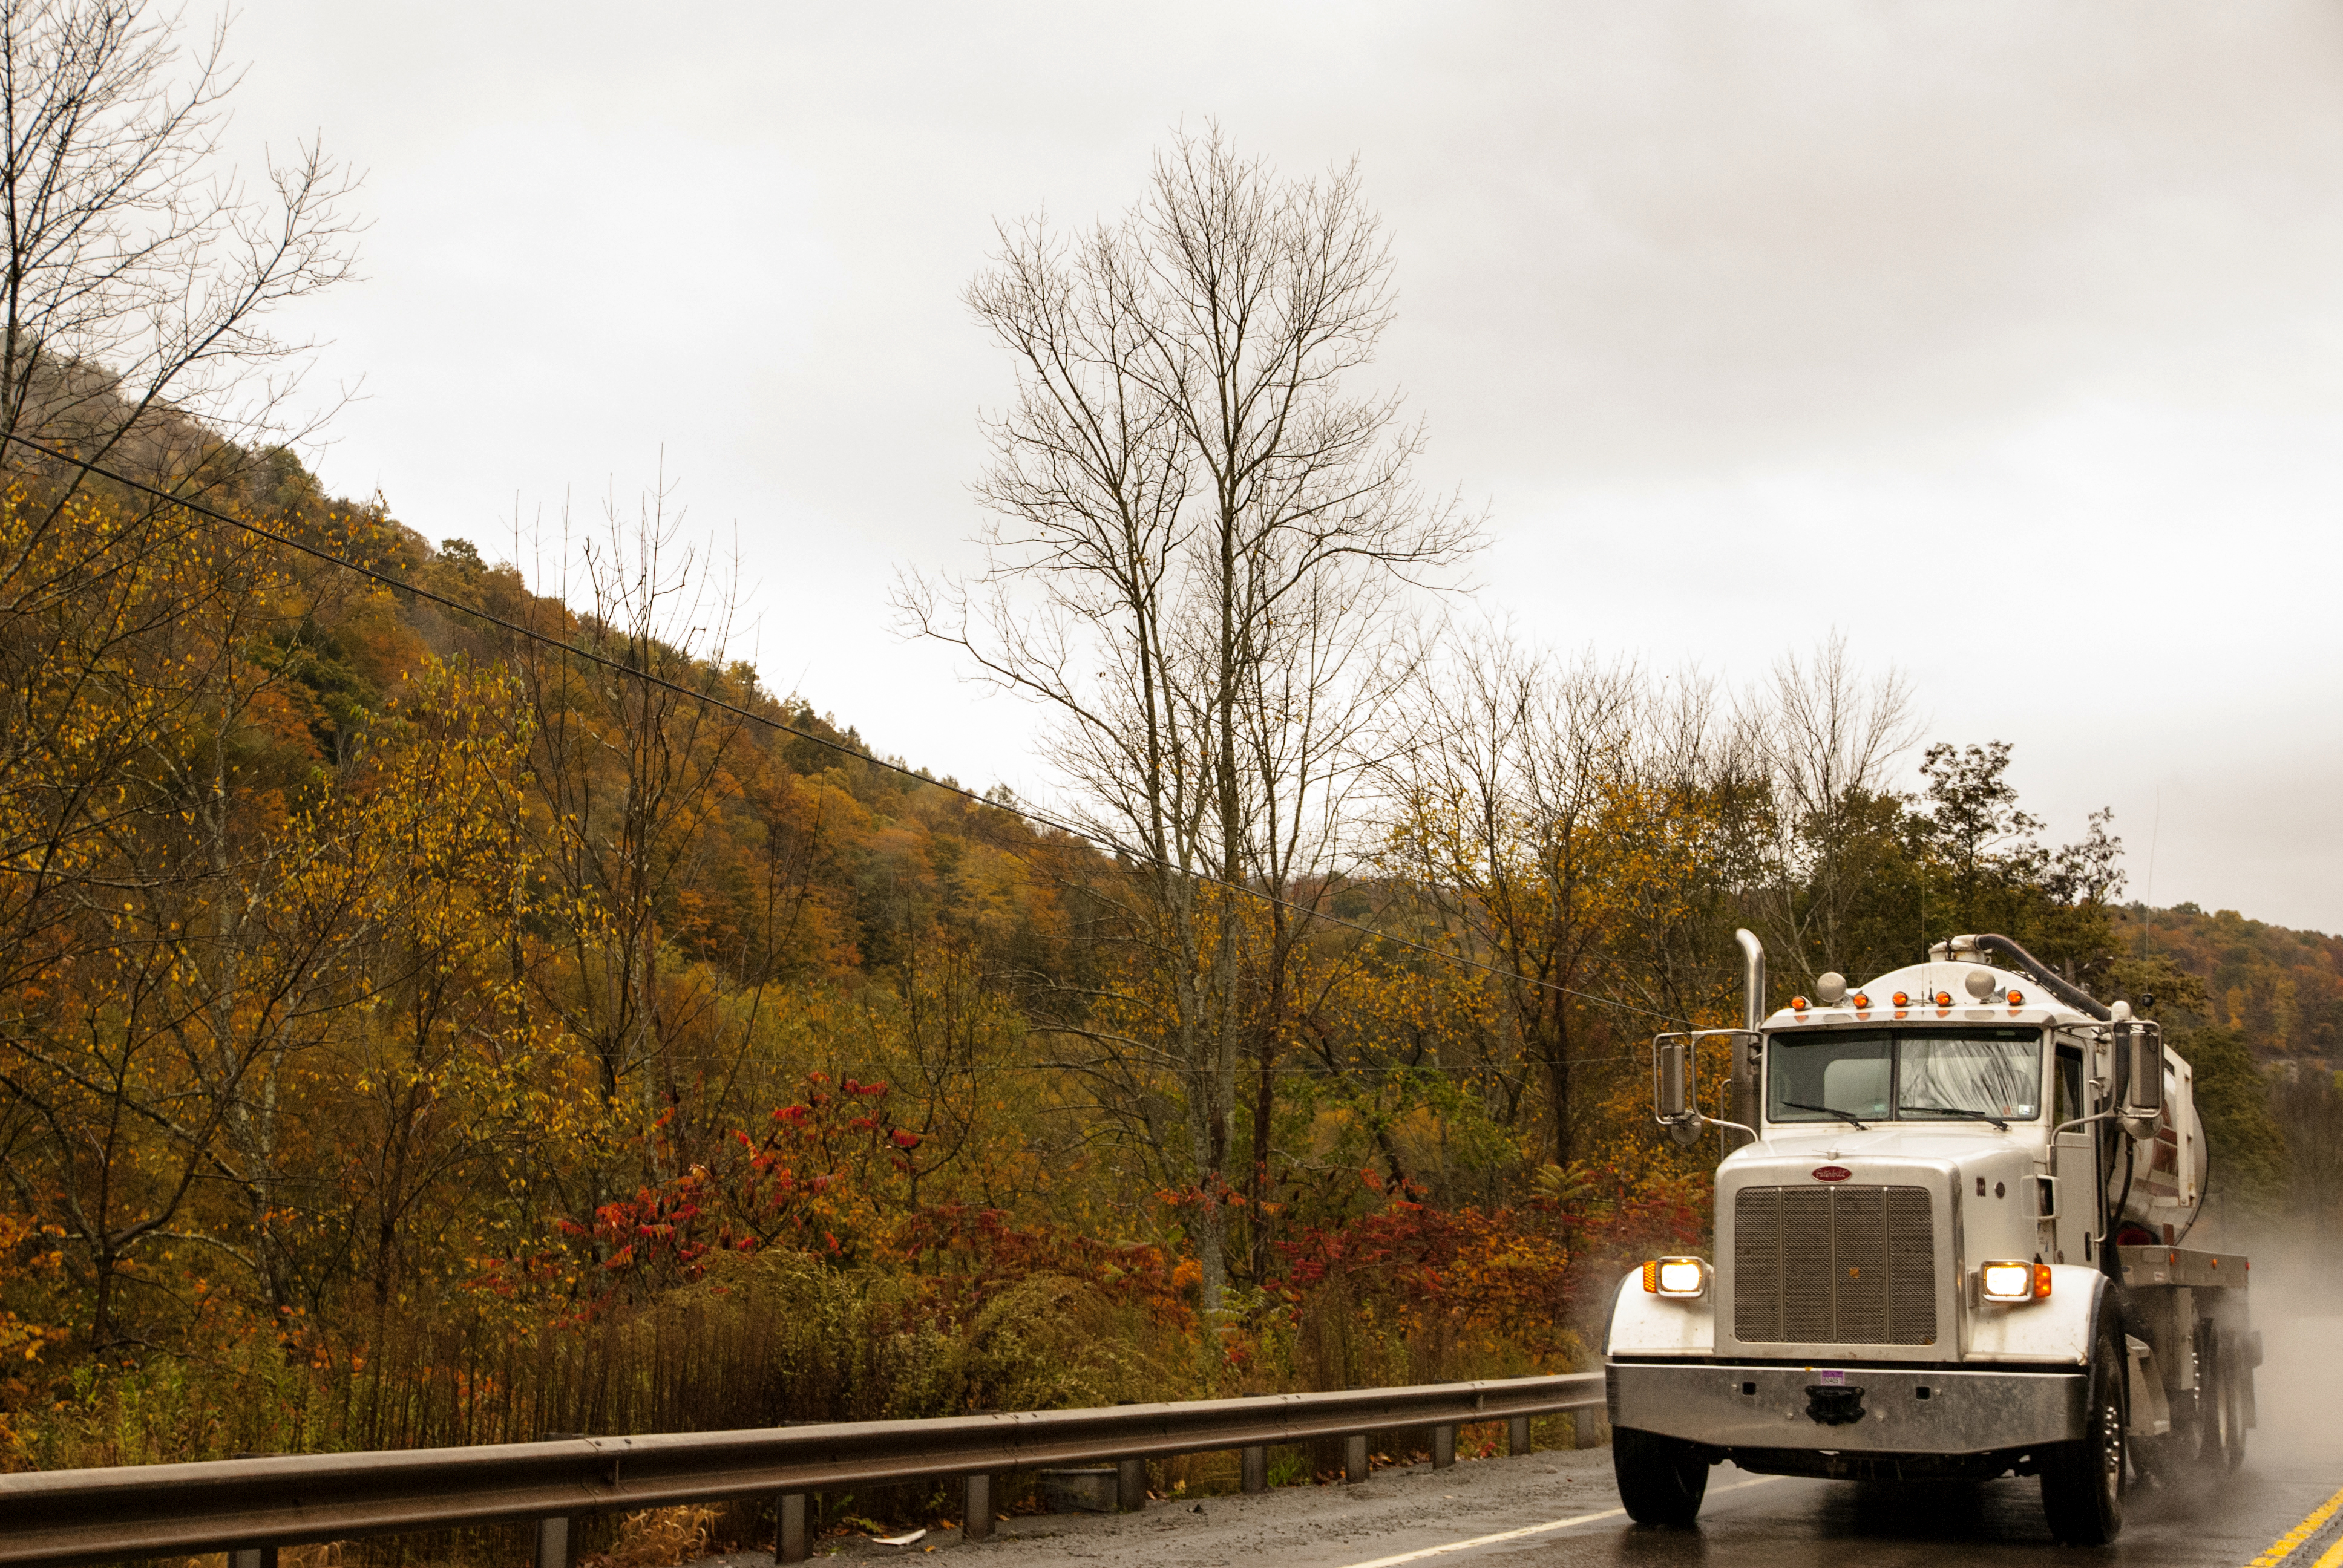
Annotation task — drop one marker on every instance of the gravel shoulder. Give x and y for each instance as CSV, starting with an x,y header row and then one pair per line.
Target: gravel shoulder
x,y
1397,1510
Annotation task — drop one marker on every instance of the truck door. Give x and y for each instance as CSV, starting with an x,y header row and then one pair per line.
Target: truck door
x,y
2068,1237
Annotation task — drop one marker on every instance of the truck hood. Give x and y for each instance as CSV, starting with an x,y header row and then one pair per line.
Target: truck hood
x,y
1958,1145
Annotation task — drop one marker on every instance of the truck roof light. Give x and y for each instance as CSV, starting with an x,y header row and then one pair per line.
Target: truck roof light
x,y
1944,999
1797,1004
1902,999
2017,997
1860,999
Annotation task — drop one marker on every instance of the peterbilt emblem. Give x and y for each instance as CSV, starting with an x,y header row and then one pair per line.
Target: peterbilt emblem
x,y
1832,1172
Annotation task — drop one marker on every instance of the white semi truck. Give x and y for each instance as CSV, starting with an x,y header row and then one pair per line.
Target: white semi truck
x,y
1948,1244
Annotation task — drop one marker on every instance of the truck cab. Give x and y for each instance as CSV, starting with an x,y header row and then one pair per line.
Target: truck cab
x,y
1934,1228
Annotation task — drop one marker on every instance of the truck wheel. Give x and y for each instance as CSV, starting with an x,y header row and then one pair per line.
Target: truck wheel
x,y
1661,1478
2214,1408
2234,1373
2083,1480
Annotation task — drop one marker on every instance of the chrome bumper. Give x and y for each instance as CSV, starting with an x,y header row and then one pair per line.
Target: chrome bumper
x,y
1944,1410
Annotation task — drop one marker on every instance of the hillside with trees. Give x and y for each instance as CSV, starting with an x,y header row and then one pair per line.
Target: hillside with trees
x,y
2281,989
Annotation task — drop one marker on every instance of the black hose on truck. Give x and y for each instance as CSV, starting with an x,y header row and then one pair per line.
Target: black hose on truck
x,y
2065,990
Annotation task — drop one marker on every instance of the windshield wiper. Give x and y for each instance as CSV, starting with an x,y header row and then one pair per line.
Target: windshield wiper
x,y
1847,1116
1953,1110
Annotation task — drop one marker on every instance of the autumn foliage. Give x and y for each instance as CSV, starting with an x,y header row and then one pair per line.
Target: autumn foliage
x,y
407,1022
416,1033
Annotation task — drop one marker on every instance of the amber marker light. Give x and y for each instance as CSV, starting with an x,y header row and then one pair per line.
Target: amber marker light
x,y
1944,999
1900,999
1861,1001
1797,1004
2017,997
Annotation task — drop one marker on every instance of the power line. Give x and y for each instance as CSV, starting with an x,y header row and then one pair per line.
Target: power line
x,y
1094,841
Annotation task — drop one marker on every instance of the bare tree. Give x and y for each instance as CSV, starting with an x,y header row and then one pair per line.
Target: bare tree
x,y
1823,738
136,282
634,773
1199,542
137,279
140,275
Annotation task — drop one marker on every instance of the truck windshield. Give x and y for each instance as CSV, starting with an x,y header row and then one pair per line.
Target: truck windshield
x,y
1943,1074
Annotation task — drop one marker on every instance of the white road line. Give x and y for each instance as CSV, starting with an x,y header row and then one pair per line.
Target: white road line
x,y
1528,1530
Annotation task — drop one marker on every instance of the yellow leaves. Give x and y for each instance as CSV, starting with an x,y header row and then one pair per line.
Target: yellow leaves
x,y
20,1340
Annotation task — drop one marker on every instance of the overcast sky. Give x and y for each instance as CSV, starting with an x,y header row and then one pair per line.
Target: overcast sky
x,y
2006,339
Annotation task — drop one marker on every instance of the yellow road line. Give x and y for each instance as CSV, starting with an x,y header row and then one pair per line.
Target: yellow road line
x,y
2280,1549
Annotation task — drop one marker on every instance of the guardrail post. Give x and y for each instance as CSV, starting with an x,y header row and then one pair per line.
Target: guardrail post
x,y
1254,1464
1355,1457
789,1527
976,1507
1444,1447
556,1543
252,1556
1586,1428
1131,1485
1517,1435
556,1538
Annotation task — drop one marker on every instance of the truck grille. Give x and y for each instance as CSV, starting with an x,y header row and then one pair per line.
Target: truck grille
x,y
1834,1265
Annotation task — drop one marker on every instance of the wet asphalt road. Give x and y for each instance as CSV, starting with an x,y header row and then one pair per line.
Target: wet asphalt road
x,y
1788,1523
2294,1464
1554,1509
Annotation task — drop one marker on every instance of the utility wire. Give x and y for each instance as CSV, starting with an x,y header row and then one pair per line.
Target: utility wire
x,y
1096,840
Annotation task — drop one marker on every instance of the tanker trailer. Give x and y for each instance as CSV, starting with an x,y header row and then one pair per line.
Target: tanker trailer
x,y
1948,1244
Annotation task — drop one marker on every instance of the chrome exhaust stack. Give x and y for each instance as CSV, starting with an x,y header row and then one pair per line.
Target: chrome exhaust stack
x,y
1746,1051
1753,978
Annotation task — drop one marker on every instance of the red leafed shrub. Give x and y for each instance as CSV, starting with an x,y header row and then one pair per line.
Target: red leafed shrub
x,y
828,1179
821,1179
1504,1275
979,1252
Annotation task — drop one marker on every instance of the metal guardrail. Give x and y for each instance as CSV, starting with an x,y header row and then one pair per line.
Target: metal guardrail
x,y
250,1507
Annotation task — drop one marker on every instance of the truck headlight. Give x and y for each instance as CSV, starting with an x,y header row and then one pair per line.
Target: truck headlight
x,y
2013,1282
1682,1278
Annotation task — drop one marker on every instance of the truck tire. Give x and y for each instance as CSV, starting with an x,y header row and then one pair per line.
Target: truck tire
x,y
2232,1393
2217,1407
1661,1478
2083,1480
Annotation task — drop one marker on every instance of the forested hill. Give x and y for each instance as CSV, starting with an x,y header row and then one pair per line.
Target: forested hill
x,y
411,1031
805,858
383,988
2281,989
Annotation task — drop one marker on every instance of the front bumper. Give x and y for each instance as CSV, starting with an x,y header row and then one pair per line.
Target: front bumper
x,y
1947,1409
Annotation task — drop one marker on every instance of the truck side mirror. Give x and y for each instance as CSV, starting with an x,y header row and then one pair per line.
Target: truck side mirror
x,y
1672,1085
